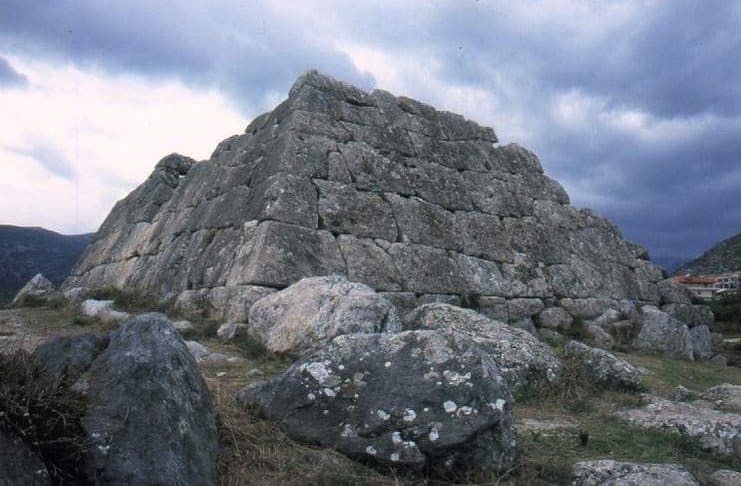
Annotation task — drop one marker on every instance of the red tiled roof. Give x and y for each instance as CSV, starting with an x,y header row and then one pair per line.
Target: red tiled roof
x,y
694,279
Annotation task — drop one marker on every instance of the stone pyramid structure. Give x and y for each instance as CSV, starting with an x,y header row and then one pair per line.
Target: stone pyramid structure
x,y
420,204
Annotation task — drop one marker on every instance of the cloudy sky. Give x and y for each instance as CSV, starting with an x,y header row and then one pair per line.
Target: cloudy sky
x,y
634,106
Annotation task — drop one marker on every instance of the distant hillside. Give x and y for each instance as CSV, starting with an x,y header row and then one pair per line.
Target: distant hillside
x,y
669,263
723,257
25,252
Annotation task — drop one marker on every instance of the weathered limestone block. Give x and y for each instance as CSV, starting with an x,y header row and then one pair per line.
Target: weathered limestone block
x,y
484,236
712,430
39,287
673,293
421,222
555,318
692,315
343,209
603,368
520,356
369,263
609,472
278,254
311,312
660,332
520,308
286,198
702,344
374,172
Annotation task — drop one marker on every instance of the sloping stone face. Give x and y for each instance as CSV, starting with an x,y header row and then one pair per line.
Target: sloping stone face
x,y
384,190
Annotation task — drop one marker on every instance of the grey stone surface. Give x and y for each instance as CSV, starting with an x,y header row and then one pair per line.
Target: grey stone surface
x,y
521,358
555,318
103,310
726,397
692,315
39,287
607,472
603,368
674,293
712,430
725,477
19,465
702,345
314,310
661,333
426,400
382,189
67,357
598,337
229,331
149,417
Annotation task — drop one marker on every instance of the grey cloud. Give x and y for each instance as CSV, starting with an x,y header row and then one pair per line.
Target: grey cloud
x,y
247,52
49,157
9,76
673,61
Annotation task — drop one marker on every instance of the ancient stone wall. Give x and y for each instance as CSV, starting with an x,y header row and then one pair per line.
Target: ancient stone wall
x,y
420,204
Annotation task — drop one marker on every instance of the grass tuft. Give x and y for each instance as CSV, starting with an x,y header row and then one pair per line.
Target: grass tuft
x,y
45,415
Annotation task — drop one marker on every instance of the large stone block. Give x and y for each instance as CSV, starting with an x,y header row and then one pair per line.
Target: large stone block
x,y
277,254
368,263
343,209
425,223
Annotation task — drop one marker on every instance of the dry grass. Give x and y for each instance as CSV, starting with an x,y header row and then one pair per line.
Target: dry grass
x,y
256,452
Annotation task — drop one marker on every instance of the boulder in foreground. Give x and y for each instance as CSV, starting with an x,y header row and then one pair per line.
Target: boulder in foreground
x,y
420,400
149,418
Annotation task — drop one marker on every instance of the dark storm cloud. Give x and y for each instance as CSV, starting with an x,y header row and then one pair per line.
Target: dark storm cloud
x,y
248,53
48,156
669,179
9,76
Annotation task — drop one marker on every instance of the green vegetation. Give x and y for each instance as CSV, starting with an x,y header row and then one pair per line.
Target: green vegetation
x,y
130,301
727,310
665,374
549,457
82,321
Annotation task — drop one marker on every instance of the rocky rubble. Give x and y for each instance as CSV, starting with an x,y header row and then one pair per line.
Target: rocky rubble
x,y
38,287
712,430
420,400
614,473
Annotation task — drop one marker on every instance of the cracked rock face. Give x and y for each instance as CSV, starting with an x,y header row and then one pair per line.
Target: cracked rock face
x,y
520,357
614,473
385,190
314,310
603,368
417,400
713,430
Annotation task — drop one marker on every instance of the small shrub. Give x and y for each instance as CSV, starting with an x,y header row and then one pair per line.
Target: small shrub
x,y
210,328
132,301
45,415
30,301
252,348
578,330
82,321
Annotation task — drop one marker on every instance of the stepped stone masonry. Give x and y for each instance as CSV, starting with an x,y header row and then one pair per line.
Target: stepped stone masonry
x,y
419,204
